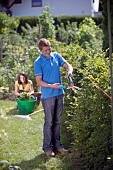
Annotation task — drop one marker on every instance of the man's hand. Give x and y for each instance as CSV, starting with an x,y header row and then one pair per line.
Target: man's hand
x,y
55,85
68,74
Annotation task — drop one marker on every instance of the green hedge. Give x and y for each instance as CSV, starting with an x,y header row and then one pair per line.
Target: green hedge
x,y
34,20
64,19
31,20
105,23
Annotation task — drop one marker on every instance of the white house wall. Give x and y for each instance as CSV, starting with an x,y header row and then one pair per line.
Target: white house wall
x,y
96,5
58,7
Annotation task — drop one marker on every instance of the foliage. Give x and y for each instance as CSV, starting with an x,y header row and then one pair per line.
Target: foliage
x,y
67,34
29,34
77,19
7,23
23,20
89,34
19,54
87,112
86,35
105,23
15,60
25,95
34,20
47,29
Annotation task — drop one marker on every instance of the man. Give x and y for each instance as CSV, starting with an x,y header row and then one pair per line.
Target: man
x,y
47,72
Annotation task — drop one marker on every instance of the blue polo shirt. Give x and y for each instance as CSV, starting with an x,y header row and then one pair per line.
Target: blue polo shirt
x,y
49,69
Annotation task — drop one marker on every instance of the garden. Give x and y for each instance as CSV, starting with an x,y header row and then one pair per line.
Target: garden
x,y
86,123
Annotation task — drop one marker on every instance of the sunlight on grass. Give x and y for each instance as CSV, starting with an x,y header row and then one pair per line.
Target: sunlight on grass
x,y
21,140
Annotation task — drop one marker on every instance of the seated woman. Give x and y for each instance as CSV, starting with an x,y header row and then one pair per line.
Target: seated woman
x,y
23,85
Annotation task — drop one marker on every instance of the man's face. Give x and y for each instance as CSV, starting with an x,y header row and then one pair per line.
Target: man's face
x,y
46,51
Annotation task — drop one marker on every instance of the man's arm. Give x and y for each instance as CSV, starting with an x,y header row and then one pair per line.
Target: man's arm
x,y
44,84
69,68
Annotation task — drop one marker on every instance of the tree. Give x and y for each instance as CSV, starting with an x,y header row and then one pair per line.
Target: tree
x,y
105,23
47,29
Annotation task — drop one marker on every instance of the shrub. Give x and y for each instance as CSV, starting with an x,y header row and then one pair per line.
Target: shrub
x,y
47,29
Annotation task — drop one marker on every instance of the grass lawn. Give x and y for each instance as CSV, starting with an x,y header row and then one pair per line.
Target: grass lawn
x,y
21,141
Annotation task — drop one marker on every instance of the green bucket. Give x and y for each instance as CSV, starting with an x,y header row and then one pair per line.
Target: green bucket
x,y
26,106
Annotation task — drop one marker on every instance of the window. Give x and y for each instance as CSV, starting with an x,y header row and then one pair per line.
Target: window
x,y
36,3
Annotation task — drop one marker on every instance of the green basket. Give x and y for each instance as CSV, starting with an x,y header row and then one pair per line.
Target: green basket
x,y
26,106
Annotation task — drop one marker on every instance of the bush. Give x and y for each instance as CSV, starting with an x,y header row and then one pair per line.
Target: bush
x,y
7,23
47,29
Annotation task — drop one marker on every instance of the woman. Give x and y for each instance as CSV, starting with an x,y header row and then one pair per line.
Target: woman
x,y
23,85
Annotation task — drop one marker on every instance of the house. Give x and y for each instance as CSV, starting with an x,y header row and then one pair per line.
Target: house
x,y
58,7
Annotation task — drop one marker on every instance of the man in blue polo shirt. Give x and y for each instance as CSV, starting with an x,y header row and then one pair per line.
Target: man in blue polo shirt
x,y
47,72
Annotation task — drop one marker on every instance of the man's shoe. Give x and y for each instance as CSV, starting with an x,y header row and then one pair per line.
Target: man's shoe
x,y
50,154
63,151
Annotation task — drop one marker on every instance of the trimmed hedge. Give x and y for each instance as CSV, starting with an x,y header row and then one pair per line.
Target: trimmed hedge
x,y
31,20
34,20
64,19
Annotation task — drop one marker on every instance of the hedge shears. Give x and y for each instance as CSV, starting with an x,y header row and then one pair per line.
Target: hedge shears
x,y
71,85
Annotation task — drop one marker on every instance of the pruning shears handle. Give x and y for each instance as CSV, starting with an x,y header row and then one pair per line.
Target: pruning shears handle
x,y
70,79
71,84
63,87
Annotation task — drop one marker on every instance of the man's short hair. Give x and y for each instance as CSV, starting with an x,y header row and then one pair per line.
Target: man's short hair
x,y
43,42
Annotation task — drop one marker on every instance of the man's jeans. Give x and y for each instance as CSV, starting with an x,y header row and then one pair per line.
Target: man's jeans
x,y
53,111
